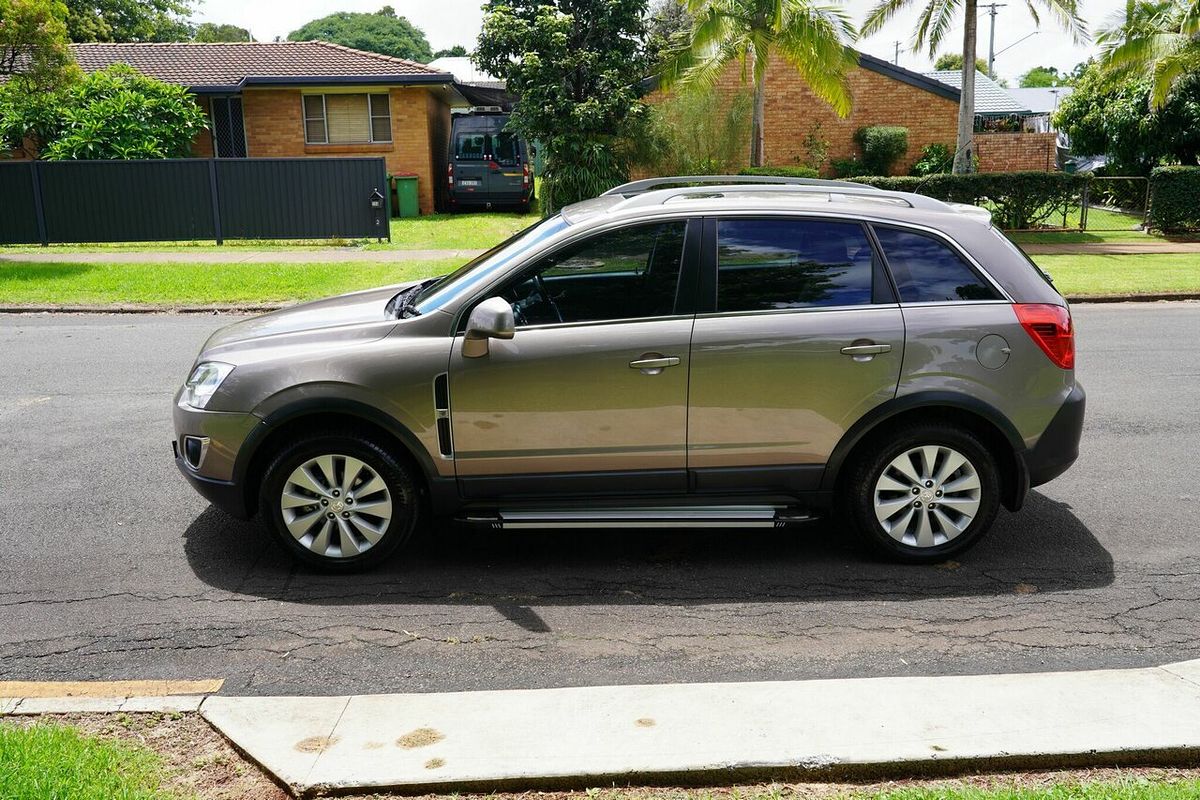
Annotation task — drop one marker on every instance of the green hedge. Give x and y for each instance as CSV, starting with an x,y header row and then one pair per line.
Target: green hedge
x,y
1175,198
781,172
1016,199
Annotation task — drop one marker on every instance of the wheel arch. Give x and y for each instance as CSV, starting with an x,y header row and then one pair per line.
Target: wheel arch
x,y
979,417
315,413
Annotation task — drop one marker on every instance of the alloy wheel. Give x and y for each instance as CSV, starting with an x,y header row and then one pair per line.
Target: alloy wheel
x,y
927,496
337,506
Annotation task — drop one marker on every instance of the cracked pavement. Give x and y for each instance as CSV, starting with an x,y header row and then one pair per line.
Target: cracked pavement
x,y
112,568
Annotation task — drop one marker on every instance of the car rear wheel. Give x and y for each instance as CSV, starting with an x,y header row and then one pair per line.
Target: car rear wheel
x,y
339,502
922,493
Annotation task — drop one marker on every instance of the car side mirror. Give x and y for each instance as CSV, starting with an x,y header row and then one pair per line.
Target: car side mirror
x,y
491,319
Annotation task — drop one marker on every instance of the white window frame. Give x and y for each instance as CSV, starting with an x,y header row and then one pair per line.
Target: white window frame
x,y
371,117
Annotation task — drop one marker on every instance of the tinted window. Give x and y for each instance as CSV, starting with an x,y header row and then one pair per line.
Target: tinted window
x,y
506,148
623,274
782,263
927,270
470,146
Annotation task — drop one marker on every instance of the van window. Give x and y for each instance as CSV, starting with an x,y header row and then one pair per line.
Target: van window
x,y
506,149
471,146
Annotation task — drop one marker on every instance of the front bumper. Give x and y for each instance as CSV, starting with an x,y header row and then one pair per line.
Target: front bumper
x,y
216,476
1058,446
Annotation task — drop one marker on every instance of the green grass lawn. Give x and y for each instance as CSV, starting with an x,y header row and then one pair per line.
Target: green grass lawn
x,y
48,762
174,284
468,231
1123,790
26,283
1143,273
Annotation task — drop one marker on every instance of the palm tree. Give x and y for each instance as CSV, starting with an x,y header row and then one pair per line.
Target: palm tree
x,y
811,36
1156,37
932,25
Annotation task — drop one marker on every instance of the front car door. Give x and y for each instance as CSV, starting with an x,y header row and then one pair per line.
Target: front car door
x,y
590,395
799,335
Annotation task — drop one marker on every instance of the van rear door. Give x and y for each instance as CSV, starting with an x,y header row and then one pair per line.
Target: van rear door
x,y
470,162
506,177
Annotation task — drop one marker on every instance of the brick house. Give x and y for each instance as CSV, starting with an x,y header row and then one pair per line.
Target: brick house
x,y
297,99
883,94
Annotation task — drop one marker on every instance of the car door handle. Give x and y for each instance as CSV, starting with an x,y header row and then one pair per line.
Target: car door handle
x,y
866,349
657,363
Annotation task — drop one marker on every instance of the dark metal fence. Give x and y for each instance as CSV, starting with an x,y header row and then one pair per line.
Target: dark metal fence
x,y
192,199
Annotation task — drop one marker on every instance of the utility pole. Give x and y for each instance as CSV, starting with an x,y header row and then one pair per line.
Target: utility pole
x,y
992,8
896,59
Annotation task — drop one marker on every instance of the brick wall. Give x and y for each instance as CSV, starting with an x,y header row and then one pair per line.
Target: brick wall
x,y
1014,152
202,145
792,111
275,129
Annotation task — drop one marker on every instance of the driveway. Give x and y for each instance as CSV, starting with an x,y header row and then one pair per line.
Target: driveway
x,y
110,567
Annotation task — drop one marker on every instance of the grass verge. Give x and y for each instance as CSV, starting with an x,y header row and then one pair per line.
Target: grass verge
x,y
45,761
467,231
175,284
1147,273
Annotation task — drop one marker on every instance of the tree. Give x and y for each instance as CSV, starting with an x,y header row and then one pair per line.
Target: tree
x,y
114,113
458,51
1039,77
668,29
381,32
577,66
212,32
128,20
33,43
1161,39
933,23
1109,114
947,61
810,36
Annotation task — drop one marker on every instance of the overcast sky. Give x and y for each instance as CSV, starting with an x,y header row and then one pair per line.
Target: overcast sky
x,y
451,22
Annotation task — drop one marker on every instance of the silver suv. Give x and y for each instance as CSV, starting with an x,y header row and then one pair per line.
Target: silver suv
x,y
684,352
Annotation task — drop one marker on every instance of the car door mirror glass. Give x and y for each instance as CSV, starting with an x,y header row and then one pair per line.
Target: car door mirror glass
x,y
491,319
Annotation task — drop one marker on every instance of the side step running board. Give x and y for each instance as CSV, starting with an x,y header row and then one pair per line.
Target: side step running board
x,y
643,517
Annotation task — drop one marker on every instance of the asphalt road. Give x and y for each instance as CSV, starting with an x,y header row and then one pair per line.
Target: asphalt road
x,y
112,568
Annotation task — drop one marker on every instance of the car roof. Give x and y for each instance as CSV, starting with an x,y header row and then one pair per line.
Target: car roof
x,y
839,198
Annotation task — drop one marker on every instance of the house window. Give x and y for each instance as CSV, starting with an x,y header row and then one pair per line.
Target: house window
x,y
347,118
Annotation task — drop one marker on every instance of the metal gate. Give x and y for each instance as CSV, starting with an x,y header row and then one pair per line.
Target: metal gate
x,y
1115,204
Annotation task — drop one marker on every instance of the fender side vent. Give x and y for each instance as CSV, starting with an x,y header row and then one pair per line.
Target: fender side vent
x,y
441,411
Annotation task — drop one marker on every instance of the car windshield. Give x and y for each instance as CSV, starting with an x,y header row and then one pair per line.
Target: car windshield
x,y
481,269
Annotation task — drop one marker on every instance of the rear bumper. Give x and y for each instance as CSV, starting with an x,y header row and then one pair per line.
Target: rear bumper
x,y
490,198
1058,446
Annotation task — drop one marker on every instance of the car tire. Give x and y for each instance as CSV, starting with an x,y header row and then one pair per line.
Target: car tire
x,y
354,521
887,494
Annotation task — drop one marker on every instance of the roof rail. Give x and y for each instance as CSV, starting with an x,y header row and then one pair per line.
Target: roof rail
x,y
840,191
691,181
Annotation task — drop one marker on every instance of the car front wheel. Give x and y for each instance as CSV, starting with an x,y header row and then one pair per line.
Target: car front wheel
x,y
922,494
339,502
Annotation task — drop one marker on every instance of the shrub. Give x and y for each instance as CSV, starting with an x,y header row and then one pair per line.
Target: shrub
x,y
696,132
882,146
848,167
1017,200
935,159
1173,193
781,172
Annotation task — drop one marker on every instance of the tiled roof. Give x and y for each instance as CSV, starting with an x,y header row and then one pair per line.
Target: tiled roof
x,y
231,64
990,97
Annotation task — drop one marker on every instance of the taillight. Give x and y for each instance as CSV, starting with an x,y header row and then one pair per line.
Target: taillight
x,y
525,174
1051,329
450,174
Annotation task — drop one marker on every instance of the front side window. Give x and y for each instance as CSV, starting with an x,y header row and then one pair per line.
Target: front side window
x,y
775,264
347,118
626,274
927,270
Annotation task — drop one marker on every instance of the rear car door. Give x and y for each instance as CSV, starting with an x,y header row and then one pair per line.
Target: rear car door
x,y
590,395
505,175
798,336
470,162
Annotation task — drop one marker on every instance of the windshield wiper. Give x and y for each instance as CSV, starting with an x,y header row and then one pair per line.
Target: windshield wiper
x,y
401,306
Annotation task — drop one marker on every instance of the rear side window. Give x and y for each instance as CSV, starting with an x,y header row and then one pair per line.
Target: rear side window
x,y
470,146
927,270
772,264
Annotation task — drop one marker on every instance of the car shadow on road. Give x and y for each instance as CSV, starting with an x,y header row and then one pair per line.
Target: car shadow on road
x,y
1044,548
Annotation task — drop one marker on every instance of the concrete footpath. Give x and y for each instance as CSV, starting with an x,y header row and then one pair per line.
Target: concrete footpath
x,y
236,255
703,733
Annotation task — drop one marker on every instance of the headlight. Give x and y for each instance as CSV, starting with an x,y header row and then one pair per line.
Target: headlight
x,y
204,381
